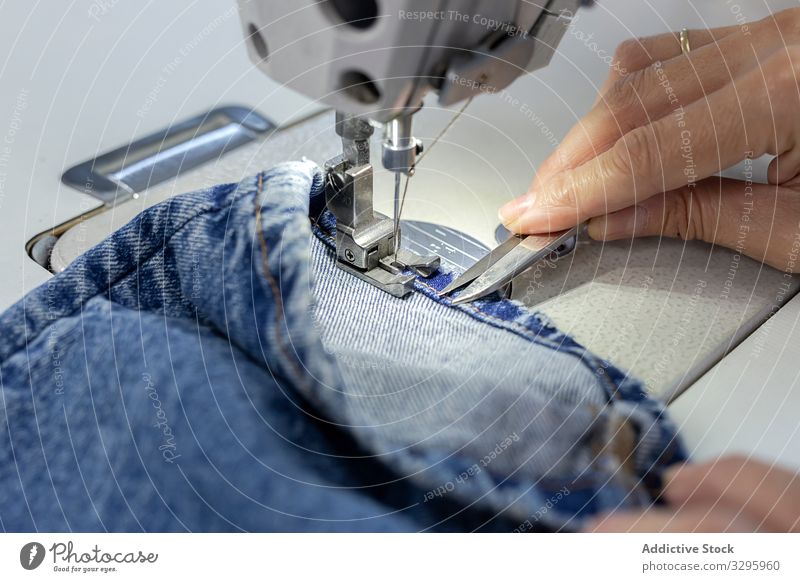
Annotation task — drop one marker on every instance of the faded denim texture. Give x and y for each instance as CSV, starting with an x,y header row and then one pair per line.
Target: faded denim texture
x,y
208,368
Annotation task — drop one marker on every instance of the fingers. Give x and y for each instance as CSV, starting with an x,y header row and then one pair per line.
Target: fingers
x,y
629,96
766,495
734,494
685,520
754,115
638,53
687,213
658,90
759,220
603,125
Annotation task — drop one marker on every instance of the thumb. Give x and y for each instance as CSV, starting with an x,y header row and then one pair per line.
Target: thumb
x,y
761,221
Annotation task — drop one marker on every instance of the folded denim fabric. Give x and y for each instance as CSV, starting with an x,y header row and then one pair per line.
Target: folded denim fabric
x,y
209,368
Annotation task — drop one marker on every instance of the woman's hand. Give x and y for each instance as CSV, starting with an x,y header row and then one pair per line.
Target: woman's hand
x,y
728,495
642,161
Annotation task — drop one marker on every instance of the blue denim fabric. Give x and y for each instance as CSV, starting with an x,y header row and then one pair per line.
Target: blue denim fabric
x,y
209,368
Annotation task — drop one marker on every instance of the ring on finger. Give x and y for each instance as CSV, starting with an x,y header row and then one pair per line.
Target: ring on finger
x,y
686,46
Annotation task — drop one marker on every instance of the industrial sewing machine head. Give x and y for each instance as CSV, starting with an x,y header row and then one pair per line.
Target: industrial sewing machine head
x,y
374,61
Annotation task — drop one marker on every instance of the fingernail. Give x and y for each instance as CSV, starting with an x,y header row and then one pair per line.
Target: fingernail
x,y
514,209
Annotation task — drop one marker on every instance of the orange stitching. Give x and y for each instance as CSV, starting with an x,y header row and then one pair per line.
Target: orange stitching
x,y
276,295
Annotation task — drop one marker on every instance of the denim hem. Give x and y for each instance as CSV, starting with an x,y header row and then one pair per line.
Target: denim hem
x,y
657,443
139,243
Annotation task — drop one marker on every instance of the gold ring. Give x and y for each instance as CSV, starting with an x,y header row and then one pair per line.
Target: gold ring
x,y
684,38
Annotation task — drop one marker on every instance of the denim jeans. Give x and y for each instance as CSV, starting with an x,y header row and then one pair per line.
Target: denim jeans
x,y
209,368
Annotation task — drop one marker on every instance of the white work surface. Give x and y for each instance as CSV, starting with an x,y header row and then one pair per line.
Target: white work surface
x,y
666,310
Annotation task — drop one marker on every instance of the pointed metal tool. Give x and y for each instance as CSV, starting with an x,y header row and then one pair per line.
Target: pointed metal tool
x,y
482,265
512,258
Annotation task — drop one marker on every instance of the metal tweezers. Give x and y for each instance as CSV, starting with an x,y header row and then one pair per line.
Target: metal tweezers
x,y
512,258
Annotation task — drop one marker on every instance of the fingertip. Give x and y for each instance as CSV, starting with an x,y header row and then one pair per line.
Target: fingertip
x,y
531,213
784,167
772,172
597,228
512,211
514,227
544,220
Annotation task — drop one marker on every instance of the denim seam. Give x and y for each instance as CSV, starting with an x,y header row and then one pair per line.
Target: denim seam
x,y
626,390
527,334
280,315
610,388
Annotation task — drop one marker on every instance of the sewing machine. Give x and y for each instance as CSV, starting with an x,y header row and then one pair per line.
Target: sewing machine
x,y
374,63
667,310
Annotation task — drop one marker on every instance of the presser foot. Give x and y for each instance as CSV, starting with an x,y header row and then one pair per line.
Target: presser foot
x,y
389,275
365,239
